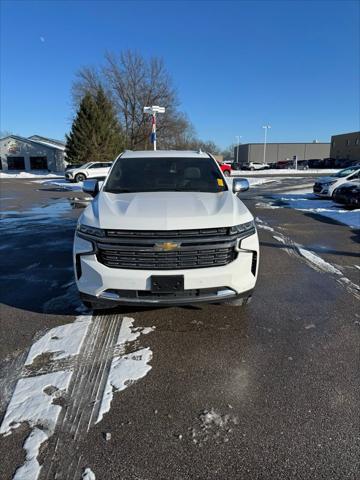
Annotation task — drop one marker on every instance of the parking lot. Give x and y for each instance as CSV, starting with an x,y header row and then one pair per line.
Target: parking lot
x,y
268,391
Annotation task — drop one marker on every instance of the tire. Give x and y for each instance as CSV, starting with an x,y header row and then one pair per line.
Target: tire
x,y
80,177
252,169
227,173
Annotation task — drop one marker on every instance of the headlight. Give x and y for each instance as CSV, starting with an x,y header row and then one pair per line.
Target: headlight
x,y
327,184
244,229
95,232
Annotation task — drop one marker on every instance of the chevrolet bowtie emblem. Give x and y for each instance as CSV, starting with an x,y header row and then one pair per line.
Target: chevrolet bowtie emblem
x,y
167,246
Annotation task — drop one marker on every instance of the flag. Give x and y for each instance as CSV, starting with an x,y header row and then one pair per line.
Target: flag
x,y
153,130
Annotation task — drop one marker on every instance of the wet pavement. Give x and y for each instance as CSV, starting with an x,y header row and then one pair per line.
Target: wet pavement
x,y
269,391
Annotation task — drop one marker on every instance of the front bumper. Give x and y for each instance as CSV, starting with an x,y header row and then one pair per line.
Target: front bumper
x,y
96,281
103,301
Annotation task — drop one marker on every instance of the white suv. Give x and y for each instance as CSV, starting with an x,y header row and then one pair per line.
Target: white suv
x,y
165,228
325,186
88,170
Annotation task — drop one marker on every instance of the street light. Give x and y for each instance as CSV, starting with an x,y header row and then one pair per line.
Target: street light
x,y
237,149
153,111
265,127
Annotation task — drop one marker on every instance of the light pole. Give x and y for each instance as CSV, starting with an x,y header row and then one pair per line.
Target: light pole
x,y
237,149
265,127
153,111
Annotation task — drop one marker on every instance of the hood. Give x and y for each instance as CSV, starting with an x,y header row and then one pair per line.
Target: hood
x,y
165,211
326,179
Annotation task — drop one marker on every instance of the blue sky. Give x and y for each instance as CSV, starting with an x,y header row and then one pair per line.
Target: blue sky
x,y
237,65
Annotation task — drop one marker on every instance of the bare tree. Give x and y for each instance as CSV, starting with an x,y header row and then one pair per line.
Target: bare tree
x,y
132,82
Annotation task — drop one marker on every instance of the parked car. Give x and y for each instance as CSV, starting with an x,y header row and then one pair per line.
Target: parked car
x,y
226,169
165,228
88,170
348,194
70,166
255,166
324,186
284,164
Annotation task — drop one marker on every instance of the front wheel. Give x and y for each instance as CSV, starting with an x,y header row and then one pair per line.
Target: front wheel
x,y
80,177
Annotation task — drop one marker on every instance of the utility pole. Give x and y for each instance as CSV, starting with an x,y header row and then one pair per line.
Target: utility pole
x,y
265,127
153,111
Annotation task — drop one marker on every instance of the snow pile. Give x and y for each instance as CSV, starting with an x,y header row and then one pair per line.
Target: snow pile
x,y
37,174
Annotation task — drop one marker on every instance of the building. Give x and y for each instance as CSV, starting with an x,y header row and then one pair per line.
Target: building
x,y
346,147
278,152
33,153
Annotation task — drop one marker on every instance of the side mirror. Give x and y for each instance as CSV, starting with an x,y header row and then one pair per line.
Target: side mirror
x,y
91,187
240,185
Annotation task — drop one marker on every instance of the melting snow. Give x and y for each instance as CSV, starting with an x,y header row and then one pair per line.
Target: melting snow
x,y
125,369
88,474
308,202
31,468
64,341
32,402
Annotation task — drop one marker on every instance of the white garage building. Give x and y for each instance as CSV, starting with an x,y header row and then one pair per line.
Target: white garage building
x,y
32,153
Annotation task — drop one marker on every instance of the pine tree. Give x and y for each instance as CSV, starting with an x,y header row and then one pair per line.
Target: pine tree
x,y
95,134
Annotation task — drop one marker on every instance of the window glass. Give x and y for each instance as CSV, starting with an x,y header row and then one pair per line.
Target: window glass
x,y
165,174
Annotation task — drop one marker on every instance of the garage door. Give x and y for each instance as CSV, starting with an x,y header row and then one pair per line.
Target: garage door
x,y
38,163
16,163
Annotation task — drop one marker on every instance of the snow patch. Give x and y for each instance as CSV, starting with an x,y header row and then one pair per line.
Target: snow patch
x,y
124,371
39,174
32,403
265,227
88,474
63,184
279,172
213,426
63,341
318,261
31,468
308,202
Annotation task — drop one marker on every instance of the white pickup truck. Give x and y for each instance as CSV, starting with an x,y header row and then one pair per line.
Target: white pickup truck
x,y
165,228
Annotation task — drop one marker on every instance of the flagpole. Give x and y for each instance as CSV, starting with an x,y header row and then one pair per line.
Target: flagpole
x,y
153,111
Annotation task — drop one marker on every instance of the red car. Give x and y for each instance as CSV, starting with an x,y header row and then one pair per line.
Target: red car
x,y
226,169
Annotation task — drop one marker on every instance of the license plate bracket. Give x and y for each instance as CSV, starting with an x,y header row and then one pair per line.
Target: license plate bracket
x,y
167,283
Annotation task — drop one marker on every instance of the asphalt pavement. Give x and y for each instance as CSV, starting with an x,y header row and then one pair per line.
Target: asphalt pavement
x,y
267,391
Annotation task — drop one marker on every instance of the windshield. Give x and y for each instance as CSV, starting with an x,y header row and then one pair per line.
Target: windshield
x,y
165,175
345,172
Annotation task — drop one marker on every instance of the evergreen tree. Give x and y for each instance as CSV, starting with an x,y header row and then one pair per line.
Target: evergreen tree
x,y
95,134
